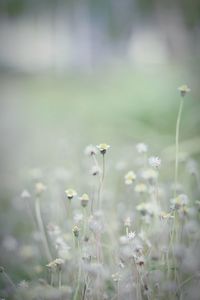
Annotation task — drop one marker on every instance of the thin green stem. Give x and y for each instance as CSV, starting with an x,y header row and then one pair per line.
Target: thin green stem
x,y
101,182
51,278
42,230
177,143
59,279
78,279
7,277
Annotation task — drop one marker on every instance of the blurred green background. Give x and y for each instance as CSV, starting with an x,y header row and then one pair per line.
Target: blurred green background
x,y
85,72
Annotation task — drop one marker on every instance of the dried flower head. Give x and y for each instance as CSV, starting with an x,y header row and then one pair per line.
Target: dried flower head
x,y
90,150
141,148
84,200
40,188
103,148
184,89
155,161
180,201
140,261
70,193
56,264
130,177
75,231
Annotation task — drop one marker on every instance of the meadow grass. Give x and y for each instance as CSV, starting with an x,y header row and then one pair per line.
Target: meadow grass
x,y
105,222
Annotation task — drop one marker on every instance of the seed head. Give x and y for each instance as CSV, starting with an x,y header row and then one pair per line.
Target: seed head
x,y
95,170
70,193
155,162
84,200
56,264
40,188
75,231
184,89
90,150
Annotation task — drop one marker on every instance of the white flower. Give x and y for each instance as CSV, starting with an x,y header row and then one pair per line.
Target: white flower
x,y
70,193
184,89
129,177
103,148
84,200
25,194
57,263
141,148
131,235
154,161
40,188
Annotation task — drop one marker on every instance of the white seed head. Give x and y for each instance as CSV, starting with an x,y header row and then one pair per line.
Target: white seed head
x,y
154,161
90,150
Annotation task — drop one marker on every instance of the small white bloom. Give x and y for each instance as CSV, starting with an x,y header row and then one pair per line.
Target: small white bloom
x,y
131,235
154,161
40,188
184,89
103,148
70,193
25,194
129,177
141,148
